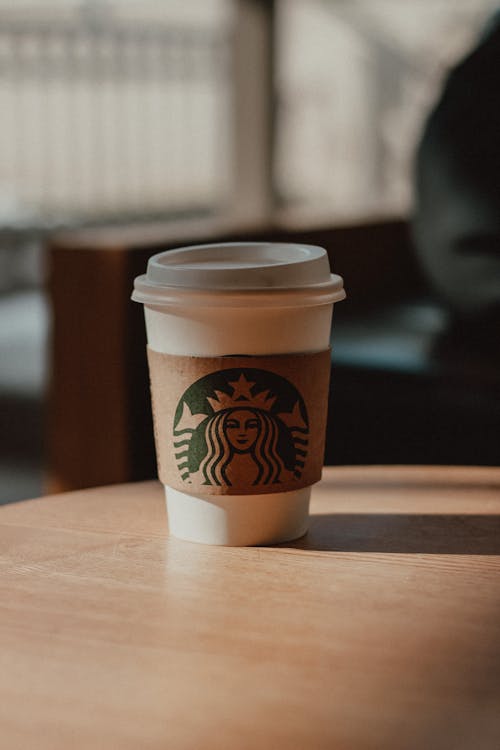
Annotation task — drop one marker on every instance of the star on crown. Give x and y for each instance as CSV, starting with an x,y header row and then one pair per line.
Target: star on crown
x,y
241,397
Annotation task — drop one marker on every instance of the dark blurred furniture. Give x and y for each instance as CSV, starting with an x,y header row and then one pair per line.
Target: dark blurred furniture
x,y
399,394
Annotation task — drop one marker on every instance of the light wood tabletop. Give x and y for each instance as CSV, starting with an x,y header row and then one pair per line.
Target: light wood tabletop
x,y
380,629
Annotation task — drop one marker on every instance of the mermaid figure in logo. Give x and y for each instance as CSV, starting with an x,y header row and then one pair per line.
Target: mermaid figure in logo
x,y
243,441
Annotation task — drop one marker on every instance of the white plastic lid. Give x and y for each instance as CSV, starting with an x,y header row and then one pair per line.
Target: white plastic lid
x,y
230,273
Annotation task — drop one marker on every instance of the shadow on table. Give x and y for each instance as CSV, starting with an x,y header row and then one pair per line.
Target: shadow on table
x,y
403,533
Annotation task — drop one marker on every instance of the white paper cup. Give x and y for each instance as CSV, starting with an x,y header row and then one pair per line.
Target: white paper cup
x,y
245,299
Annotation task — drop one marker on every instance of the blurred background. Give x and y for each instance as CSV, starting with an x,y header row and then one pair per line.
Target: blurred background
x,y
299,112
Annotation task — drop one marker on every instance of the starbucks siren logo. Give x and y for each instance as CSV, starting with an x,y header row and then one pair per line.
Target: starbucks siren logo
x,y
241,426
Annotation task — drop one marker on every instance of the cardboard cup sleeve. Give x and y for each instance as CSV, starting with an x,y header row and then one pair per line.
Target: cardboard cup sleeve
x,y
239,425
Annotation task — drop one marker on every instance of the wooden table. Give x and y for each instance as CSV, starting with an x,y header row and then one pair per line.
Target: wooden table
x,y
378,630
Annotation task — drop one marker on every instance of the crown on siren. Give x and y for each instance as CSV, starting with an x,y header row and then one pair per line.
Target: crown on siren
x,y
241,397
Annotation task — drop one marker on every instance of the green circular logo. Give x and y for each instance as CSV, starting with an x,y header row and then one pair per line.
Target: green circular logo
x,y
241,426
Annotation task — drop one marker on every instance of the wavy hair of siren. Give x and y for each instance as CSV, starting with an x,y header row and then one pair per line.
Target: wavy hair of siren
x,y
220,453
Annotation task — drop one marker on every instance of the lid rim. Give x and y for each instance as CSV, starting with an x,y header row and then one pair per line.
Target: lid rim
x,y
320,294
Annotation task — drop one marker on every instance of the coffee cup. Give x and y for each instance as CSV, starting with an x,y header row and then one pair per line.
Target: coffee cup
x,y
238,348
